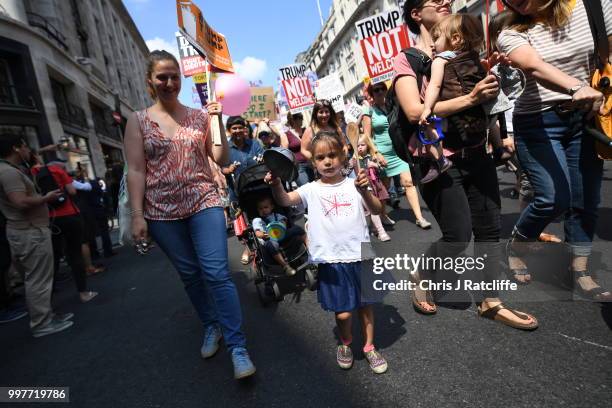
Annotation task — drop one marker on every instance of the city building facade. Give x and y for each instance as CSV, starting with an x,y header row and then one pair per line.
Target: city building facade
x,y
71,71
336,47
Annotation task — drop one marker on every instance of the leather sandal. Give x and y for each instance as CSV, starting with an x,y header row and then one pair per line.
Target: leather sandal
x,y
596,293
493,314
419,308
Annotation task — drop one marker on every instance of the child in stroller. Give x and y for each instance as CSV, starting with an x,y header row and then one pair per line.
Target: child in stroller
x,y
272,279
269,220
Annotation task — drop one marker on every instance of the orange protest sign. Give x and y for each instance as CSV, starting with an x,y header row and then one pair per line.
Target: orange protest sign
x,y
202,36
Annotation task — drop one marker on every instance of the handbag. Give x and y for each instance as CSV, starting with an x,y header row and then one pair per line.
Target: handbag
x,y
601,79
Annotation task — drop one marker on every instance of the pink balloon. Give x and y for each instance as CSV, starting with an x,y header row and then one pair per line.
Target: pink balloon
x,y
233,93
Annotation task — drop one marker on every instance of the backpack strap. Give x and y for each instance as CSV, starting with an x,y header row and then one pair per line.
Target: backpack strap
x,y
598,29
420,64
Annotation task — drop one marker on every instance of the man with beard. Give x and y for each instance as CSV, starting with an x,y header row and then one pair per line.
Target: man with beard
x,y
29,236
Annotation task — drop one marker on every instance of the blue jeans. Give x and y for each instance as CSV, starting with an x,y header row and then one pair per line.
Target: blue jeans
x,y
305,173
565,173
197,247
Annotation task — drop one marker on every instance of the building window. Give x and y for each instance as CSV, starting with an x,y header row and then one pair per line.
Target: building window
x,y
80,28
67,112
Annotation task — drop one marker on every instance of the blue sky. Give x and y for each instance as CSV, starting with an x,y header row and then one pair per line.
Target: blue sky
x,y
263,35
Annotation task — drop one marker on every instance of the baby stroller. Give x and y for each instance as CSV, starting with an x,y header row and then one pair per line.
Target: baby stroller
x,y
270,280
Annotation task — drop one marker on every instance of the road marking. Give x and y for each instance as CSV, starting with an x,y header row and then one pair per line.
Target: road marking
x,y
585,341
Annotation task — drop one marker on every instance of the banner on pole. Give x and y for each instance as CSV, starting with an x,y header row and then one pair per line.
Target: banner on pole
x,y
381,38
191,60
202,36
331,88
262,104
297,87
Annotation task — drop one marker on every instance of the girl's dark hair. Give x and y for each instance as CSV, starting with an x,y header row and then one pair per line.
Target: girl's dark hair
x,y
410,5
329,137
333,118
152,60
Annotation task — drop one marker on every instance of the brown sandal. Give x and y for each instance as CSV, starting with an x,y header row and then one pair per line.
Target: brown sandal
x,y
419,308
493,314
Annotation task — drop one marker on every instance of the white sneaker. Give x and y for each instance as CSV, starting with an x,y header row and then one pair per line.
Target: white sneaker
x,y
54,326
423,223
386,220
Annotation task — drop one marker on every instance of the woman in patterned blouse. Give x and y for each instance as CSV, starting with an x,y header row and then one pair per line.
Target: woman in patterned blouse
x,y
173,197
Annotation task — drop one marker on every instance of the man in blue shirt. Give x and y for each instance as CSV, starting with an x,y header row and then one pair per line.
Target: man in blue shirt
x,y
243,150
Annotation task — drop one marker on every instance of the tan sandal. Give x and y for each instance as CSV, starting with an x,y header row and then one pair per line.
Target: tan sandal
x,y
418,305
492,313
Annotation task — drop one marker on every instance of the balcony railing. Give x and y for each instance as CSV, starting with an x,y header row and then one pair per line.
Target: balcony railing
x,y
16,97
72,115
36,20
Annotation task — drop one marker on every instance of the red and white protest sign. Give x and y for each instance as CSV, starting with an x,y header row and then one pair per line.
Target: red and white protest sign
x,y
191,61
298,88
381,38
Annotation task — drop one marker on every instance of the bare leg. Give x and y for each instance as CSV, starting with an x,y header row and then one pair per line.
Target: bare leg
x,y
411,194
343,321
366,316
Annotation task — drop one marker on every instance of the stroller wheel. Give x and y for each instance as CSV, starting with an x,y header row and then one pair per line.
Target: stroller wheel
x,y
262,294
311,280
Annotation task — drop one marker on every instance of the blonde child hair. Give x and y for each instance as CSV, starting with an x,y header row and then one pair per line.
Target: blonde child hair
x,y
370,143
467,27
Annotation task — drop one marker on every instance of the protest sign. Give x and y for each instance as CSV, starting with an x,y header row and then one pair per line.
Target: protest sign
x,y
297,87
201,86
331,88
191,60
353,113
202,36
381,38
262,104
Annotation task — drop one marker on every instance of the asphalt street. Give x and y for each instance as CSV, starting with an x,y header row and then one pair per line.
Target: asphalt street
x,y
137,344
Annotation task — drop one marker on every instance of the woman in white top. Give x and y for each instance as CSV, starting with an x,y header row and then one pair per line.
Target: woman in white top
x,y
551,42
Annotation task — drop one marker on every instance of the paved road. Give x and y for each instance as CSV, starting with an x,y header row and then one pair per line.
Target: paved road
x,y
137,345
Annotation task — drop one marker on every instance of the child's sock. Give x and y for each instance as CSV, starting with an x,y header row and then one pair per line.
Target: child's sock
x,y
346,342
368,348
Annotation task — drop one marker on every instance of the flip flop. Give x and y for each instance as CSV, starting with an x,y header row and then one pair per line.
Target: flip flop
x,y
493,314
544,237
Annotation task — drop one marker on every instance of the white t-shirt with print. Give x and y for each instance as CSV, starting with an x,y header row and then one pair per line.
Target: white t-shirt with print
x,y
337,225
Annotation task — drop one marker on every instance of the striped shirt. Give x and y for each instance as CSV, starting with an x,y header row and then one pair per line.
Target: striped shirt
x,y
178,181
569,48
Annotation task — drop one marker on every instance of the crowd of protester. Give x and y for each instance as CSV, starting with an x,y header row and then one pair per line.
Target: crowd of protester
x,y
555,161
49,215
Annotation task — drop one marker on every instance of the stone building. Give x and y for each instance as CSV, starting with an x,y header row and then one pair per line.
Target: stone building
x,y
70,72
336,47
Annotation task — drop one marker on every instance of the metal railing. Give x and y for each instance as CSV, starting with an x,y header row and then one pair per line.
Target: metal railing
x,y
72,115
36,20
16,97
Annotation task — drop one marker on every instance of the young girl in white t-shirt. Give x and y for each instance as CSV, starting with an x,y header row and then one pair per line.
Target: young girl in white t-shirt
x,y
337,228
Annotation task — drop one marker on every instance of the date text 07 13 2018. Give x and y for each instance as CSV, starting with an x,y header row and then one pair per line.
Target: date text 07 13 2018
x,y
34,394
